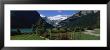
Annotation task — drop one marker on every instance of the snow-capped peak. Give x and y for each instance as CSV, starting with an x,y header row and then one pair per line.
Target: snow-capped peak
x,y
42,15
58,17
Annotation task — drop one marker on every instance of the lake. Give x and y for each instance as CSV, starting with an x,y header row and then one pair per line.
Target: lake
x,y
23,30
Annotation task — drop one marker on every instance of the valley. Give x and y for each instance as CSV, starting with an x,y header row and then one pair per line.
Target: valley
x,y
84,25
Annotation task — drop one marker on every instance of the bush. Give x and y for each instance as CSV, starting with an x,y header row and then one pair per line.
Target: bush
x,y
54,30
70,29
90,28
82,29
46,35
40,31
63,36
62,30
77,30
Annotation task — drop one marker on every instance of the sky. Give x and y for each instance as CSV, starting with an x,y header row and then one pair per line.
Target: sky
x,y
56,12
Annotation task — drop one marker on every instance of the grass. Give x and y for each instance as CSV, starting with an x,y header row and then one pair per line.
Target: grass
x,y
97,31
81,36
26,37
76,36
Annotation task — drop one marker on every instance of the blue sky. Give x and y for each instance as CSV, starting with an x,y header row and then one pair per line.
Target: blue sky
x,y
56,12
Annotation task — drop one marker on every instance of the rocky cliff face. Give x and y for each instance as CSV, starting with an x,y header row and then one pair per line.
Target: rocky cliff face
x,y
85,12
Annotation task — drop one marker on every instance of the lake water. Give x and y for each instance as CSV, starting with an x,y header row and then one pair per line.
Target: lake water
x,y
23,30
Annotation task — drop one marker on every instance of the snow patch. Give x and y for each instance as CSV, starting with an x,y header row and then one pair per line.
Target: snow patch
x,y
58,17
42,15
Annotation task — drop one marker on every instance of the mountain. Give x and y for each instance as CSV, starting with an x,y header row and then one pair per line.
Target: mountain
x,y
84,18
54,20
26,19
58,17
42,15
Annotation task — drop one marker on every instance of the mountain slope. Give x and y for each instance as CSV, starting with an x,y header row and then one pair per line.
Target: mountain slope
x,y
82,19
25,19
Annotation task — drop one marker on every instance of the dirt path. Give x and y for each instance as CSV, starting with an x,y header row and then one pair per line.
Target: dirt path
x,y
91,32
